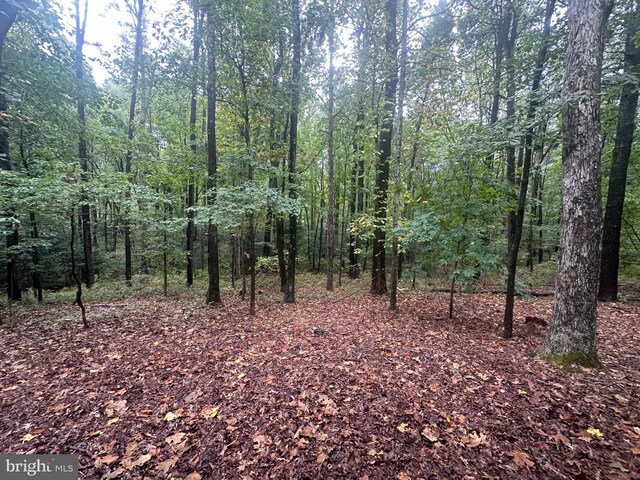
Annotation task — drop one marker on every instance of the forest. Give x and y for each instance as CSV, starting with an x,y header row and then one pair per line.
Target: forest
x,y
321,238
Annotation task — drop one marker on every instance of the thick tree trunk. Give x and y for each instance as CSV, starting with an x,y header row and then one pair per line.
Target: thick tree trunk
x,y
290,292
608,290
128,251
378,277
572,335
213,260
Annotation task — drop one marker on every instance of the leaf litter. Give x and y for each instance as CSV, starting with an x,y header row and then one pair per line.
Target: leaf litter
x,y
200,392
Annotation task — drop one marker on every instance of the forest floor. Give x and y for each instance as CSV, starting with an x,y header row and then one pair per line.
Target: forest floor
x,y
330,387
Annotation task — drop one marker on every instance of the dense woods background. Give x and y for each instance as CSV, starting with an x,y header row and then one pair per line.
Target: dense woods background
x,y
411,140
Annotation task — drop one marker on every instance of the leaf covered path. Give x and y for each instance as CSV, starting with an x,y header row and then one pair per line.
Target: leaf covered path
x,y
327,388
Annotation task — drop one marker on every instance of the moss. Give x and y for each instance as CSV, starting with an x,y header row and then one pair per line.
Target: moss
x,y
573,358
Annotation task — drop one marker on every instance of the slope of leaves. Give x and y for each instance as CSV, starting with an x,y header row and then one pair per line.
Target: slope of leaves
x,y
332,387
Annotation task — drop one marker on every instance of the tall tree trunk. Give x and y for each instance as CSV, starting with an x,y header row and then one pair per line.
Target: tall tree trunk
x,y
512,21
517,221
608,290
395,260
290,292
85,207
9,10
330,153
378,277
137,58
190,231
213,261
572,335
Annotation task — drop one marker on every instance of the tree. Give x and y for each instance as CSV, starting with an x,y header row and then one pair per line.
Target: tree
x,y
191,187
378,277
85,207
213,294
138,13
393,295
608,289
9,11
331,149
516,221
572,335
290,292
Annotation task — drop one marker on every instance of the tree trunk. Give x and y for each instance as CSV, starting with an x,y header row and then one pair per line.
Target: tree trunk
x,y
190,231
378,277
74,275
330,154
395,259
9,11
572,335
290,292
518,219
608,290
85,207
213,260
139,11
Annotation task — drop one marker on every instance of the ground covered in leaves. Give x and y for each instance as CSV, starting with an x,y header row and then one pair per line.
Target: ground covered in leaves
x,y
331,387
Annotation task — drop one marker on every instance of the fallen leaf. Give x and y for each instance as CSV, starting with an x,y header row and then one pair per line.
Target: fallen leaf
x,y
522,392
402,427
429,434
594,432
27,437
635,451
211,412
116,473
322,457
11,388
167,464
170,416
619,466
106,460
113,420
474,440
520,458
194,476
175,438
128,464
116,356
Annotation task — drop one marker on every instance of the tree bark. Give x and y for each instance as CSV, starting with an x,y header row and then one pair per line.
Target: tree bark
x,y
213,260
378,277
137,58
290,292
608,290
9,11
395,259
330,154
85,207
190,231
572,335
517,220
